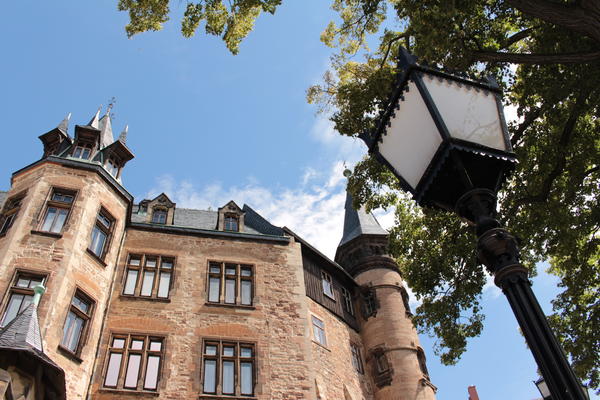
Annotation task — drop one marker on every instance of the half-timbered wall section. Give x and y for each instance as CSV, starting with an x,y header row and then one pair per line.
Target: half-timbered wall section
x,y
317,270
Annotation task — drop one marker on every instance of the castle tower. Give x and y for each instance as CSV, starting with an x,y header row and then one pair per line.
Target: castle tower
x,y
392,352
62,225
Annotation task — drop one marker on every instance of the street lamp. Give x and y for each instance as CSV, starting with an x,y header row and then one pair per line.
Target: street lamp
x,y
545,392
445,138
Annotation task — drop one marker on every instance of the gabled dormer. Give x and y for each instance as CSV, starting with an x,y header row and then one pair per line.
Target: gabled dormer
x,y
87,139
231,218
116,155
57,140
160,210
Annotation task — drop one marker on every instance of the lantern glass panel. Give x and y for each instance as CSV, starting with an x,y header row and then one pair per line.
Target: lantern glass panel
x,y
543,388
412,139
469,114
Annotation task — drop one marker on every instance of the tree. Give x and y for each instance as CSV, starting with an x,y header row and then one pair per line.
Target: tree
x,y
546,54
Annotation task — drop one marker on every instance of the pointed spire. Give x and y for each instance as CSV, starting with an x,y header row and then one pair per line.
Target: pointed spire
x,y
106,133
123,135
95,120
23,330
64,125
359,222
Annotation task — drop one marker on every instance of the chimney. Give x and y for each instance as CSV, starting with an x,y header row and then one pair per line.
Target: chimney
x,y
473,393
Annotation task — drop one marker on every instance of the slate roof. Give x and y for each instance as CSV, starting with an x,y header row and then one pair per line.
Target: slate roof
x,y
359,222
22,340
254,223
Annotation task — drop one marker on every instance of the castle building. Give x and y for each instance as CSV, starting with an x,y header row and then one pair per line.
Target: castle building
x,y
148,300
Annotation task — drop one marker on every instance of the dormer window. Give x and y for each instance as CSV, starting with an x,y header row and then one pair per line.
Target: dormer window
x,y
82,151
159,216
112,167
231,218
231,223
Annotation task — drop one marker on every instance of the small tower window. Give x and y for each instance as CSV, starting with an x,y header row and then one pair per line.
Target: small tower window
x,y
159,216
82,151
231,223
422,361
112,167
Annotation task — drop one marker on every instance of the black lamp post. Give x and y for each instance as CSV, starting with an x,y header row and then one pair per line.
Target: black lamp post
x,y
445,139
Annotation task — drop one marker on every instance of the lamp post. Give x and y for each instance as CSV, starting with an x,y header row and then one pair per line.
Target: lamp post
x,y
445,138
545,392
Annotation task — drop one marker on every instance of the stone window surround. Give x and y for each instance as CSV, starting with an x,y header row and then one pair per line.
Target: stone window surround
x,y
84,335
222,276
318,324
157,212
238,343
230,209
146,336
107,231
381,369
141,268
57,204
357,360
10,211
13,288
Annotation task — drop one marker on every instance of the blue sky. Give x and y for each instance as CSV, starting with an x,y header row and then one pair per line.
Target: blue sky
x,y
207,127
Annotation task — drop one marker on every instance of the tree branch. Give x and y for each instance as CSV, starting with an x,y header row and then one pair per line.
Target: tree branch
x,y
581,18
529,118
516,37
561,163
389,46
536,58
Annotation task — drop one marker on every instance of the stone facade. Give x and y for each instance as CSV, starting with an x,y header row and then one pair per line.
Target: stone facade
x,y
146,300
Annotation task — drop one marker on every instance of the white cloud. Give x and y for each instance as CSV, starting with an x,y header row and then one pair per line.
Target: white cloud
x,y
315,211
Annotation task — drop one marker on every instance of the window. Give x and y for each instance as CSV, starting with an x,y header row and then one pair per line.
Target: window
x,y
57,210
369,303
80,313
356,358
11,209
228,368
231,223
327,285
148,276
422,361
382,372
112,167
134,362
348,306
82,151
381,363
101,233
319,331
405,301
20,294
159,216
230,283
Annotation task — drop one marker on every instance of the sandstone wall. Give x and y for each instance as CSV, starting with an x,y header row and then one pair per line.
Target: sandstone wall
x,y
64,258
276,322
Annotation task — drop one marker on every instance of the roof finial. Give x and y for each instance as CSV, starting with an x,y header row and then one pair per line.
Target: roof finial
x,y
64,124
94,122
111,104
38,291
123,135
